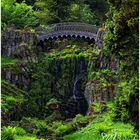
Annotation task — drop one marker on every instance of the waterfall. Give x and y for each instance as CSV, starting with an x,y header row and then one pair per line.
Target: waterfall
x,y
78,77
74,105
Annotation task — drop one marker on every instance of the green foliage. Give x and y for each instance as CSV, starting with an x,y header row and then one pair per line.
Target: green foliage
x,y
99,8
54,11
51,11
10,100
79,119
80,13
16,133
52,101
59,128
7,62
74,51
41,126
123,102
53,75
11,89
121,39
96,107
11,96
27,138
9,133
35,126
104,128
21,15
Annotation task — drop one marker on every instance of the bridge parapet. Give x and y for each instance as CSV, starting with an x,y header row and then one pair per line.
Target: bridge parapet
x,y
68,28
75,26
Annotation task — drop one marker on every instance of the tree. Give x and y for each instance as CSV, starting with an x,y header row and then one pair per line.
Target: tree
x,y
28,2
121,39
54,11
21,15
99,8
81,13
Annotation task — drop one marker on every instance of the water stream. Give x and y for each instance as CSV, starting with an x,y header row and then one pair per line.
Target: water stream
x,y
75,93
74,105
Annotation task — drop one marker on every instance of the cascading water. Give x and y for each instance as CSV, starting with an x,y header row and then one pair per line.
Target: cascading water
x,y
76,97
77,103
78,77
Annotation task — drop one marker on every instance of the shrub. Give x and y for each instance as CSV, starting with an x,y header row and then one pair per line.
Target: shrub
x,y
126,92
80,13
41,126
11,100
79,118
7,62
35,126
21,15
26,138
60,129
103,128
52,101
8,133
96,107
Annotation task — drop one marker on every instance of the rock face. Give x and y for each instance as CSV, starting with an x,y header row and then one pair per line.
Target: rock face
x,y
103,86
12,39
95,91
17,44
18,79
69,74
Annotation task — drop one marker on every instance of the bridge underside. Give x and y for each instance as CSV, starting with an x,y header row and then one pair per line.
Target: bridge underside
x,y
68,34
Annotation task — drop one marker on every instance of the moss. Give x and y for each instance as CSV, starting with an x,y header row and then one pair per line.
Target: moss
x,y
13,100
53,101
61,128
10,100
54,74
7,62
73,51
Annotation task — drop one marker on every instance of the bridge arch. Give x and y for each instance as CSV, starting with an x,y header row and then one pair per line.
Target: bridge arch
x,y
68,30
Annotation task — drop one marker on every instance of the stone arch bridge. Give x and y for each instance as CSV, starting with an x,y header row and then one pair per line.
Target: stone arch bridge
x,y
68,29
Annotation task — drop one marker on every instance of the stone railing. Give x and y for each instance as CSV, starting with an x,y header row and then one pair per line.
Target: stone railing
x,y
68,29
71,26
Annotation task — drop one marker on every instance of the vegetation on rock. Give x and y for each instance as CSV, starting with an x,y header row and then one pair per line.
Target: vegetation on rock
x,y
69,88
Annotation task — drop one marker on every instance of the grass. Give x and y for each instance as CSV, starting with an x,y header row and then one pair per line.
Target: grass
x,y
103,128
26,138
16,133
